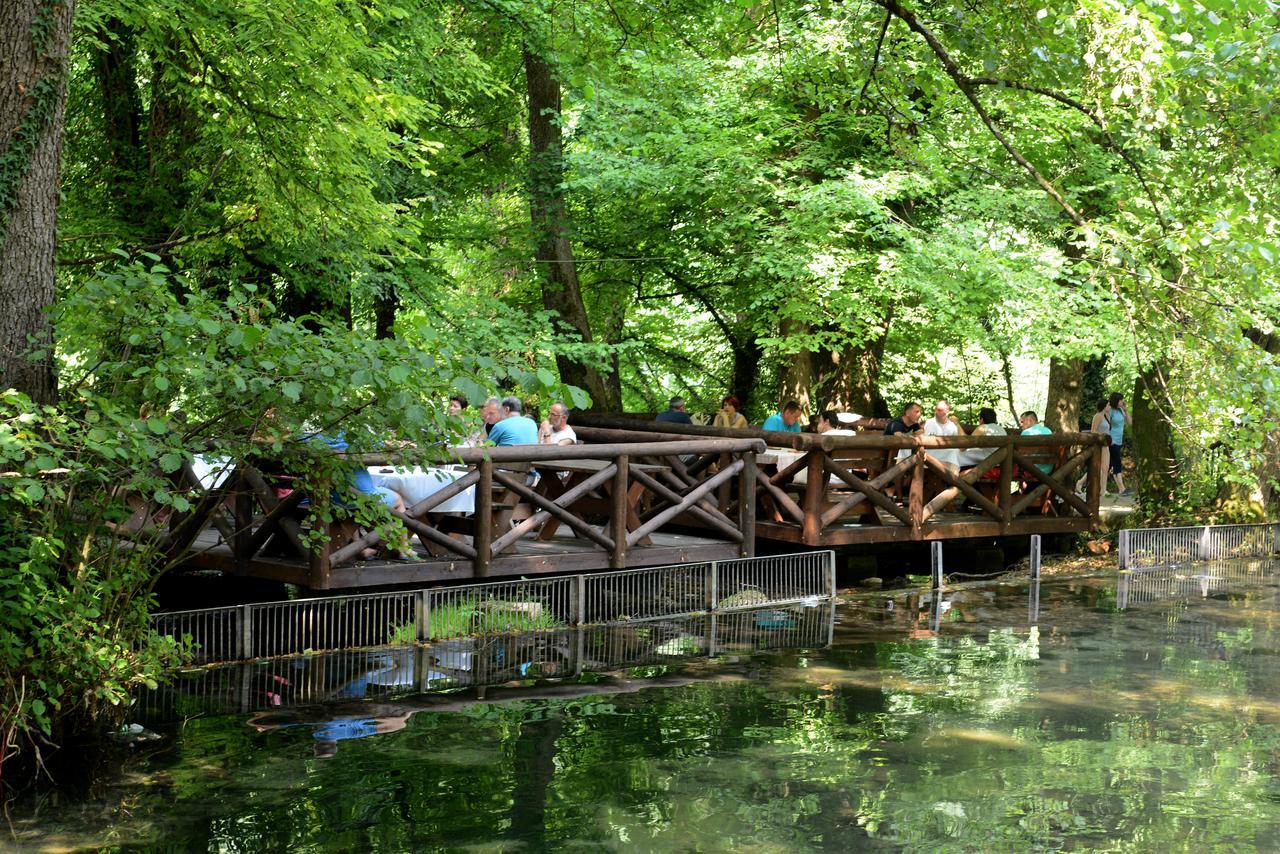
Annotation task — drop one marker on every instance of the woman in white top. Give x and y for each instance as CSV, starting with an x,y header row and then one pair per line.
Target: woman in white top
x,y
987,427
1101,424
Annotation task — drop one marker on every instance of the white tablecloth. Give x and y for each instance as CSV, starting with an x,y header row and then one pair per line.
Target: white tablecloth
x,y
417,483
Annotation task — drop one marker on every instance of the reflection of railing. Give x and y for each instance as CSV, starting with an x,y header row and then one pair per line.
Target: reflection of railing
x,y
266,629
893,481
1141,547
1162,583
488,660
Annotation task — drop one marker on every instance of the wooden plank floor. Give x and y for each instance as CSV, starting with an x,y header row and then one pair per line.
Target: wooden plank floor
x,y
563,553
943,526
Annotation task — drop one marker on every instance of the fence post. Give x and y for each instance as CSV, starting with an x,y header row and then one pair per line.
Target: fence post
x,y
1123,549
1035,557
422,616
935,563
831,559
713,587
579,600
246,632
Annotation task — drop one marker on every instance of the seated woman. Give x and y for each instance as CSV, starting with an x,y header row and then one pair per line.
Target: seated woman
x,y
729,416
970,457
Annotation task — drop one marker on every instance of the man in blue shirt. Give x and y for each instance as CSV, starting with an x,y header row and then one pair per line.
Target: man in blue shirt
x,y
786,421
514,428
1031,426
675,413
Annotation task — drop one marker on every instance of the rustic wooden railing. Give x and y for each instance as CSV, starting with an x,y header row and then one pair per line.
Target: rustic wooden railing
x,y
836,490
613,495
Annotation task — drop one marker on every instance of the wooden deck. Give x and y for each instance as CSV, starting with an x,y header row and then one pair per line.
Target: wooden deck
x,y
563,552
636,494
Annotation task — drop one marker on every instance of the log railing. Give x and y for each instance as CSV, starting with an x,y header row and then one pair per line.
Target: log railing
x,y
847,489
612,495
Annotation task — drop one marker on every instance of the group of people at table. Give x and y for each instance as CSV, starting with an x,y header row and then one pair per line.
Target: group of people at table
x,y
1111,417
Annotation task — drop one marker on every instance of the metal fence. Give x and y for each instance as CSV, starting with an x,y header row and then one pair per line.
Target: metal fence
x,y
1146,547
267,629
495,659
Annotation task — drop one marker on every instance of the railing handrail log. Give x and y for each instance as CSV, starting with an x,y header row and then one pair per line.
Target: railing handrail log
x,y
534,453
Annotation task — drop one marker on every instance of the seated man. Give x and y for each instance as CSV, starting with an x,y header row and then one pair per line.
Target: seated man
x,y
786,421
491,414
908,422
514,428
675,413
987,426
361,482
944,424
1031,426
556,430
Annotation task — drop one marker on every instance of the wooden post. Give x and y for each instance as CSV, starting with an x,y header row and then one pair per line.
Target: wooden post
x,y
747,505
1006,484
246,632
618,513
423,615
1097,477
915,504
482,538
813,488
243,510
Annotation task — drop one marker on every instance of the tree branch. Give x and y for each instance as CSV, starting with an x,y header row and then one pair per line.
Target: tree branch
x,y
966,87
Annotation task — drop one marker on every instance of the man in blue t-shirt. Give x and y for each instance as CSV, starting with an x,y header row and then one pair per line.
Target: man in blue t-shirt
x,y
786,421
514,428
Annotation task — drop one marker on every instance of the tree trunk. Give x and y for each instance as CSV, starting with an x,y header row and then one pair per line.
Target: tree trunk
x,y
560,291
746,368
1066,381
795,378
1151,438
385,305
850,379
34,38
114,65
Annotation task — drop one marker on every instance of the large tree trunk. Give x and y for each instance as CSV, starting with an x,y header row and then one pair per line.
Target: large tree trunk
x,y
1151,438
385,306
34,37
560,292
1066,381
850,379
795,377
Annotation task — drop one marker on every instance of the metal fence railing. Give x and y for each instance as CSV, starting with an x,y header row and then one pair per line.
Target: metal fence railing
x,y
267,629
280,683
1146,547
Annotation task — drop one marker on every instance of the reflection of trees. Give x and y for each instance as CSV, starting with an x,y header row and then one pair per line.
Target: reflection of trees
x,y
1098,729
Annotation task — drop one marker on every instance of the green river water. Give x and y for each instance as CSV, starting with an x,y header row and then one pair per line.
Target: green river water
x,y
1074,715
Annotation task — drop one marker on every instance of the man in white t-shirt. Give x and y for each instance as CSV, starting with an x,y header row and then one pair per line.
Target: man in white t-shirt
x,y
943,423
556,430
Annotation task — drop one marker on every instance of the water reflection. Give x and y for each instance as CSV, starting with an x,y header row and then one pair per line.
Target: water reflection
x,y
487,660
1004,718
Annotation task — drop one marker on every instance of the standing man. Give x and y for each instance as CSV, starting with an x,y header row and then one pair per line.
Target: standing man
x,y
1119,418
675,413
786,421
514,428
944,424
556,430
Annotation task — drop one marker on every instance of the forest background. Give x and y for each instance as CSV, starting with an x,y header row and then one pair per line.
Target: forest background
x,y
346,212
